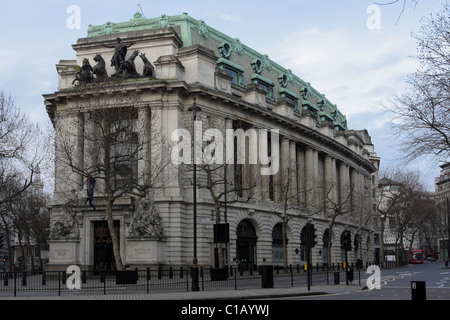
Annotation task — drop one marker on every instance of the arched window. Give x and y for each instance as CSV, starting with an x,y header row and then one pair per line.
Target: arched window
x,y
246,244
277,245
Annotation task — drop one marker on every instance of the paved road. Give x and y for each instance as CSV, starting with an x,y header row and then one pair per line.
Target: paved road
x,y
396,284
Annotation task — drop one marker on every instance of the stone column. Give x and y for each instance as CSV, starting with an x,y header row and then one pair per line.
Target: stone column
x,y
248,167
311,164
293,186
344,188
92,150
284,183
254,165
356,191
80,144
330,180
277,176
301,181
229,162
144,127
263,158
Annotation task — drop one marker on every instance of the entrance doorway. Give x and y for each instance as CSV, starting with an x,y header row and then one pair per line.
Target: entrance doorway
x,y
246,244
103,247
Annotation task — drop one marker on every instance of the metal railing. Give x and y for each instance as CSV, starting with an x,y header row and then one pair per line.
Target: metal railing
x,y
171,280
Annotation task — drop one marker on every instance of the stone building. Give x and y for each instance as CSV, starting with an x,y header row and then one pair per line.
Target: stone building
x,y
442,200
318,166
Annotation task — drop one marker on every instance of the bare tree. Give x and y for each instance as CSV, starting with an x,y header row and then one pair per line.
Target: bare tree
x,y
224,192
336,208
290,199
225,182
421,116
401,197
21,150
395,2
125,151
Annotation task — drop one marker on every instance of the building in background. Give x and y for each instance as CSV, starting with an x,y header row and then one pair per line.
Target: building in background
x,y
30,228
442,199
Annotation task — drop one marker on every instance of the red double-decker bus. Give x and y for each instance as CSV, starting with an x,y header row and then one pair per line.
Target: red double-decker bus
x,y
417,256
429,254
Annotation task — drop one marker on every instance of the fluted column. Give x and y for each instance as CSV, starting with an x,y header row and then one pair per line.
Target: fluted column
x,y
229,162
264,179
144,164
330,180
284,183
311,167
356,191
301,181
344,187
293,187
80,143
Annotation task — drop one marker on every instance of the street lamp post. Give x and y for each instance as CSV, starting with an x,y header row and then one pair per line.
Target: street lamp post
x,y
195,286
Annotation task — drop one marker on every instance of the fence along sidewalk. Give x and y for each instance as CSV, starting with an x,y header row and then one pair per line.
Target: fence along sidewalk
x,y
165,280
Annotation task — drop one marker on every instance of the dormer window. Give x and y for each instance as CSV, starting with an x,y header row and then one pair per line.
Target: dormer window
x,y
264,84
290,97
235,71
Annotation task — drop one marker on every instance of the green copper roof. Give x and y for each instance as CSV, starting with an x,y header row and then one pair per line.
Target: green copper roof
x,y
140,23
186,24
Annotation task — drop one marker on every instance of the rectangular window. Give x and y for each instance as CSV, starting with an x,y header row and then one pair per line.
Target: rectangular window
x,y
235,71
124,150
264,84
233,74
290,97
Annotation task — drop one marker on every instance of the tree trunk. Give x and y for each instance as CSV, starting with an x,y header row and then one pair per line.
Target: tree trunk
x,y
285,258
30,252
114,238
220,255
330,235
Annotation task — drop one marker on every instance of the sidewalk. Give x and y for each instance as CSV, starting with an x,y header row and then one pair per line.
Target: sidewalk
x,y
200,295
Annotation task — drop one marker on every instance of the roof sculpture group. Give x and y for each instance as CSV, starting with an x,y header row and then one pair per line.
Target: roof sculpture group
x,y
124,68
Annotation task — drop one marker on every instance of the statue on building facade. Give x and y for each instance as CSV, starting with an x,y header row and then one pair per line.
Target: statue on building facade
x,y
67,225
99,69
149,70
146,220
120,52
128,68
85,75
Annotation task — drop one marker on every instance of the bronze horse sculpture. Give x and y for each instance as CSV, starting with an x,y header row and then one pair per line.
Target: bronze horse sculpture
x,y
128,68
99,69
85,75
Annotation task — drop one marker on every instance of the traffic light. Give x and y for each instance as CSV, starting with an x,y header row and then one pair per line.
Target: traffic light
x,y
311,234
1,241
347,240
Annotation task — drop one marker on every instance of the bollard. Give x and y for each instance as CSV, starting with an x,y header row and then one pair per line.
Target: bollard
x,y
336,278
418,290
267,276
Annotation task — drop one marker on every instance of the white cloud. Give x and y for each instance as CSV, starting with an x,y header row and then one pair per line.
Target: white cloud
x,y
356,71
230,18
9,61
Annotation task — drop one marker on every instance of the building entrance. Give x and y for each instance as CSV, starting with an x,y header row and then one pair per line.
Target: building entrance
x,y
246,244
103,247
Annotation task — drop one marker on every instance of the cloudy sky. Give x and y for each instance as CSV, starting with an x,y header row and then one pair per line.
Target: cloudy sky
x,y
356,52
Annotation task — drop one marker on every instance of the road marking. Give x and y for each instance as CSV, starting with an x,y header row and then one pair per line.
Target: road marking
x,y
442,282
